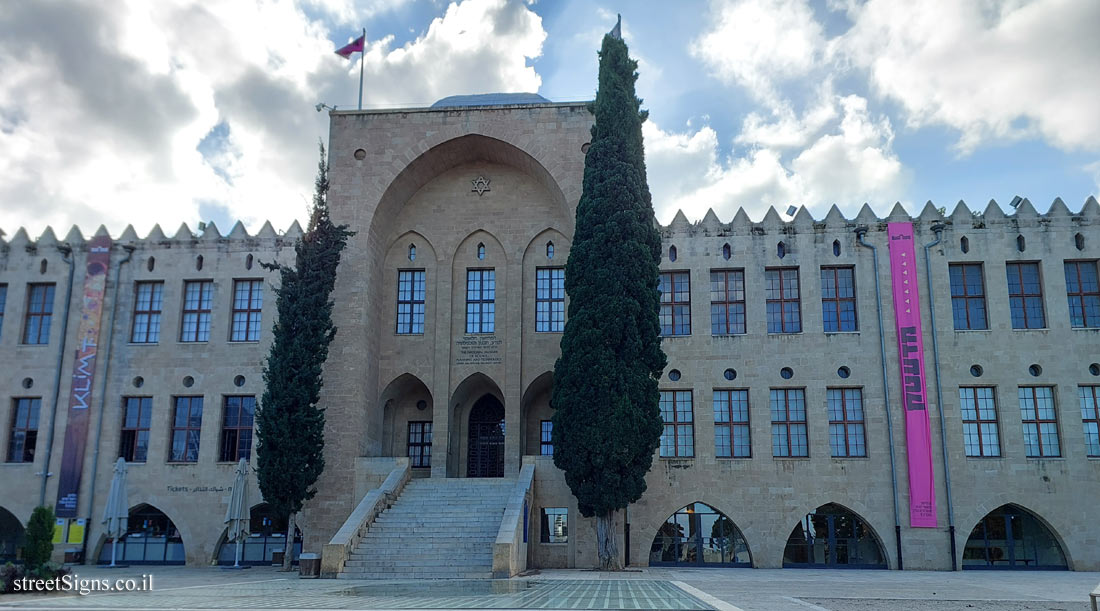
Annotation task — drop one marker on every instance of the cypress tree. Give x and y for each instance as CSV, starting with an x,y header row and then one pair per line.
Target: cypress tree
x,y
39,538
289,423
607,422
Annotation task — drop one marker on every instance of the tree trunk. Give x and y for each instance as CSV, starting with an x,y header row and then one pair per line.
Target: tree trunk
x,y
288,555
606,546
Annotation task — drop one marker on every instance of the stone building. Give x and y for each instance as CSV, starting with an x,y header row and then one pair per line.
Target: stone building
x,y
799,430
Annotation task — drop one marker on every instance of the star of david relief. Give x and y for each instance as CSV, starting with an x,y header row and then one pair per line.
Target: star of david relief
x,y
481,185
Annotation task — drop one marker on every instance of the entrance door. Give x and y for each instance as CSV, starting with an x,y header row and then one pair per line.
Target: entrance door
x,y
485,457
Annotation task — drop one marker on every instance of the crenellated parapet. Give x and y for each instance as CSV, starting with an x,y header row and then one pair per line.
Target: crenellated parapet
x,y
961,217
208,238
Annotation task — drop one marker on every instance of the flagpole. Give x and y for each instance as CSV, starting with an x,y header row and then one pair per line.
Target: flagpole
x,y
362,52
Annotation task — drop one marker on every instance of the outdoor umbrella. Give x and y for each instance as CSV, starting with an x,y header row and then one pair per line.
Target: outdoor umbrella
x,y
236,515
117,512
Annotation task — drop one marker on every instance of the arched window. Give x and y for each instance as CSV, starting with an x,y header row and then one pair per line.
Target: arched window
x,y
198,263
151,538
781,250
480,251
699,535
964,244
671,253
151,263
1079,241
42,266
549,250
267,535
726,252
836,248
248,262
12,536
412,252
1020,243
833,537
1011,537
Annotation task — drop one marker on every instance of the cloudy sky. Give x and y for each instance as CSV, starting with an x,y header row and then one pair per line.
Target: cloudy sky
x,y
136,112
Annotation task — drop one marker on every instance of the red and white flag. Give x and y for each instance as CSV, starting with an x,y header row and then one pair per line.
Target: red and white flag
x,y
352,47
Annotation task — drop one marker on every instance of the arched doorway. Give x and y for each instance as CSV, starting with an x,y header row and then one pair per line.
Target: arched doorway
x,y
485,453
267,535
11,537
832,537
151,538
1011,537
699,535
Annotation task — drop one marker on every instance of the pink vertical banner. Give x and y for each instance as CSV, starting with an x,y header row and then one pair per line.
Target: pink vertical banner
x,y
914,395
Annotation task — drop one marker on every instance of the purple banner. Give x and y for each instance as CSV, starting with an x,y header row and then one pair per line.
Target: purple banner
x,y
914,396
80,397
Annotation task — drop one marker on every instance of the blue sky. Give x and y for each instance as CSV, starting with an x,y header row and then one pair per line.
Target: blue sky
x,y
181,111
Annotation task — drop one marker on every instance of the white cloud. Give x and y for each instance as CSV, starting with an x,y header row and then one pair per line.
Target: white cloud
x,y
992,70
847,163
760,43
104,105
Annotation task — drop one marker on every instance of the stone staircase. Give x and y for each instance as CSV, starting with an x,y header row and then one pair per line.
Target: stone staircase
x,y
439,528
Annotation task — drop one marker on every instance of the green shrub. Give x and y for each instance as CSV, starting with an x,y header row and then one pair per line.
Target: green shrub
x,y
39,537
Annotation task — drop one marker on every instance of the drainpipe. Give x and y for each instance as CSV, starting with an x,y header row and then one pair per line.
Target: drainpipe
x,y
860,232
66,256
103,395
938,228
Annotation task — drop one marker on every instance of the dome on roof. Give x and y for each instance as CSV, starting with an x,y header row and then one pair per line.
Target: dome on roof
x,y
490,99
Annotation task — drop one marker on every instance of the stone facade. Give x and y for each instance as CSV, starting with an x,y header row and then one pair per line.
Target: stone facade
x,y
406,178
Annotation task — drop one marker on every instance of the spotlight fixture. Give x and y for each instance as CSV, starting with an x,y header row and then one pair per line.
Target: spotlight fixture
x,y
1015,203
321,106
791,210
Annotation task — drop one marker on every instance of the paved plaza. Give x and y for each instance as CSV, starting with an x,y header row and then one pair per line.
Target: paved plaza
x,y
691,589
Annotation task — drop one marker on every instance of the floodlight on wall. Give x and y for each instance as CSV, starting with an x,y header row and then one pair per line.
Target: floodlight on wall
x,y
791,210
1015,203
321,106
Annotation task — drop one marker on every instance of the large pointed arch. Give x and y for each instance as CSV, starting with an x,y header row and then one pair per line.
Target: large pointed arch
x,y
1015,538
12,536
267,535
405,400
698,535
834,537
151,539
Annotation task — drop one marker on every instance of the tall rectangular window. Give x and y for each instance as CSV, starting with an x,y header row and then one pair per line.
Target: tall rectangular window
x,y
1040,421
789,436
3,305
967,296
979,418
546,438
1089,397
420,444
481,291
148,301
727,301
675,288
678,438
731,424
186,429
248,301
554,526
1083,293
134,440
784,305
39,314
24,429
197,298
846,433
410,302
838,299
550,299
237,428
1025,296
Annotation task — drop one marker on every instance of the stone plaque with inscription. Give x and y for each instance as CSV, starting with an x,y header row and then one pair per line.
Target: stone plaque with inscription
x,y
478,350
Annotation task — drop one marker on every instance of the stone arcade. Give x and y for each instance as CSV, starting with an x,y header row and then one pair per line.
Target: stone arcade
x,y
780,396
